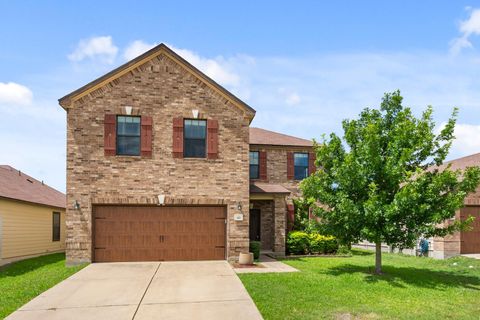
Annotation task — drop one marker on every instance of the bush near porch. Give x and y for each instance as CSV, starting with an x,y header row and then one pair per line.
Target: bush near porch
x,y
300,242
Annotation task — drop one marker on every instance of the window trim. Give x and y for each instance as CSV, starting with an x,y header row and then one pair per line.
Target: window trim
x,y
295,166
257,165
205,156
54,238
128,136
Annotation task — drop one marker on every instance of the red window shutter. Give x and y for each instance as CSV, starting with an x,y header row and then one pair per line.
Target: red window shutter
x,y
262,165
110,135
146,137
311,162
212,139
177,138
290,166
290,215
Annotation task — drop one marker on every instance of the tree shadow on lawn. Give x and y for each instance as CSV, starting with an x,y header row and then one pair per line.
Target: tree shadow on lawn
x,y
24,266
419,277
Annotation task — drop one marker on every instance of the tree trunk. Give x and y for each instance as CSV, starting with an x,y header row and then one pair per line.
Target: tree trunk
x,y
378,257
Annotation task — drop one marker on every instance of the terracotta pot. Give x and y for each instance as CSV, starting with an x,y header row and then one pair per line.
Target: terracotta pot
x,y
245,258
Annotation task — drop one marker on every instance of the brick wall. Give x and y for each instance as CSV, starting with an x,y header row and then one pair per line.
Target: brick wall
x,y
277,166
162,89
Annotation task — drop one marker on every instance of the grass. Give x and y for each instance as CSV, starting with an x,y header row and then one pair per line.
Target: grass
x,y
346,288
24,280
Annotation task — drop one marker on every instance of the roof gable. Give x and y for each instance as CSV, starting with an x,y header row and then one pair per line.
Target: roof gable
x,y
16,185
266,137
472,160
66,101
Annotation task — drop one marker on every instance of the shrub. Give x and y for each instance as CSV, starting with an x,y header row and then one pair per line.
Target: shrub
x,y
299,242
255,249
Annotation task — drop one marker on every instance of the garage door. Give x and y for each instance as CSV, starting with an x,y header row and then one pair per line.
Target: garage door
x,y
470,240
125,233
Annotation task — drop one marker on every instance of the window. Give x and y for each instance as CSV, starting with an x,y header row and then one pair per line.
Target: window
x,y
194,141
56,226
128,136
254,170
300,162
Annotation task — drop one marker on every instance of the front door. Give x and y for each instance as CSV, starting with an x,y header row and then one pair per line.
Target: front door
x,y
254,224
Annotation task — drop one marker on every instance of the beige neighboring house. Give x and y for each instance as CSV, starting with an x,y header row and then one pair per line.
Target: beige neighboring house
x,y
32,217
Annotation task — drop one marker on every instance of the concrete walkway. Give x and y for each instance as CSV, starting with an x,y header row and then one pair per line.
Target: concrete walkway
x,y
472,255
147,290
267,265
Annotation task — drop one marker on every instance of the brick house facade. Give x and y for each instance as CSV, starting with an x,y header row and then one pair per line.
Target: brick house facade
x,y
160,202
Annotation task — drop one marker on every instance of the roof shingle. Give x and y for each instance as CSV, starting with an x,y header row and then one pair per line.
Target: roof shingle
x,y
266,137
462,163
257,187
19,186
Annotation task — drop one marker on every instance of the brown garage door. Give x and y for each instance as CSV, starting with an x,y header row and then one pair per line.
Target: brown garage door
x,y
471,239
125,233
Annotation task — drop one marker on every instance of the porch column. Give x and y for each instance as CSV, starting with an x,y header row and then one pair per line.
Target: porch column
x,y
280,224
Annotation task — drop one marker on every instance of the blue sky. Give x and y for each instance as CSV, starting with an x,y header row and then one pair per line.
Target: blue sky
x,y
303,65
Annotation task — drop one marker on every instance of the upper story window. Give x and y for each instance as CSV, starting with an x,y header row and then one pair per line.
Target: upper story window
x,y
56,226
195,132
128,136
300,161
254,165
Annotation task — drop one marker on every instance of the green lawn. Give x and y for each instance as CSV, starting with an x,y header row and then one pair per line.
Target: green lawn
x,y
24,280
345,288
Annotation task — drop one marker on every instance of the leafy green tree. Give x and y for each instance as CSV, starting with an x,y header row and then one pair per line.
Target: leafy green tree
x,y
381,182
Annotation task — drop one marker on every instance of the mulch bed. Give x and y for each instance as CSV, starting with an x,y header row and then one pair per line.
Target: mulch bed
x,y
255,265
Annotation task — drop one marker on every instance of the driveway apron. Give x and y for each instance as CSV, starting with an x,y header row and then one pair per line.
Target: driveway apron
x,y
145,290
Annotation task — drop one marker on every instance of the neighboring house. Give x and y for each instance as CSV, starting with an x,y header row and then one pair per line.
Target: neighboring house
x,y
32,217
464,242
158,167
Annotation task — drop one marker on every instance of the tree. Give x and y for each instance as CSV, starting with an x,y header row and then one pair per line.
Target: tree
x,y
381,182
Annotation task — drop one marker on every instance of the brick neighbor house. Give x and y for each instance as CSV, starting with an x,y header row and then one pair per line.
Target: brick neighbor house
x,y
162,165
464,242
459,243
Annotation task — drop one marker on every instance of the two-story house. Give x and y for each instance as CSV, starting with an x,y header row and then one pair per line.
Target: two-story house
x,y
162,165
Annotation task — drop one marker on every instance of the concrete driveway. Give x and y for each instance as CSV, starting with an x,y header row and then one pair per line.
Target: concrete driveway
x,y
146,290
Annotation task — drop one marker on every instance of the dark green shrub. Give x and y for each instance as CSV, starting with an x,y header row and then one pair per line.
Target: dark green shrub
x,y
255,249
299,242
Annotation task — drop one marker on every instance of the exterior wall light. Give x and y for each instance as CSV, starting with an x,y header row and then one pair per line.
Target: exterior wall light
x,y
161,199
76,205
239,206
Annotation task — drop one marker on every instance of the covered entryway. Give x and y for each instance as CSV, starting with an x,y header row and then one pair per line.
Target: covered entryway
x,y
158,233
470,240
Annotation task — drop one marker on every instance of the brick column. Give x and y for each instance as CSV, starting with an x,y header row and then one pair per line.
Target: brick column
x,y
280,224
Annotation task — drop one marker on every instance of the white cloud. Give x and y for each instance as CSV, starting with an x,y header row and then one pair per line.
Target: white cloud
x,y
467,28
15,94
136,48
218,69
293,99
101,48
467,139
